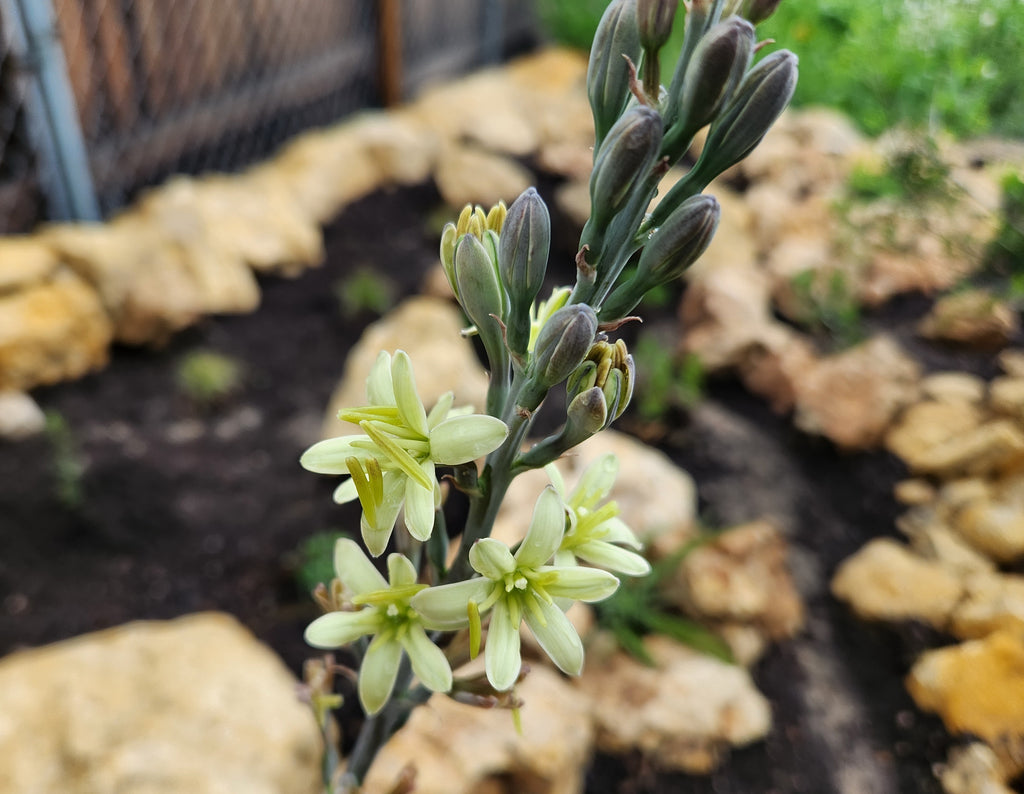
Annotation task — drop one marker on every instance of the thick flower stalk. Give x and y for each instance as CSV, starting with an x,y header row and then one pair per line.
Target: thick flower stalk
x,y
393,463
520,587
382,610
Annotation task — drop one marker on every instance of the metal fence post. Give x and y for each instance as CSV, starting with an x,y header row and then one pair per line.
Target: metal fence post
x,y
51,112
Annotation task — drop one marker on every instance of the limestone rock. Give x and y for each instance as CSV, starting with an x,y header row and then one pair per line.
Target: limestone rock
x,y
428,330
324,171
1006,397
573,199
975,687
927,527
974,769
192,705
403,150
954,387
472,176
914,491
1012,362
20,416
26,261
992,602
852,397
684,713
950,439
459,749
972,317
54,331
885,581
741,577
994,527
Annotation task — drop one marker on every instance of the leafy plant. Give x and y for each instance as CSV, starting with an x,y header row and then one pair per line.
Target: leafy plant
x,y
208,377
827,302
315,560
1006,253
667,381
67,463
638,609
913,171
364,291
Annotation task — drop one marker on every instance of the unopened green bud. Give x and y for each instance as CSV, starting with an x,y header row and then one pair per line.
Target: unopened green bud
x,y
680,241
757,11
563,344
654,21
449,237
522,262
719,61
485,226
608,73
610,368
757,103
476,277
625,160
586,415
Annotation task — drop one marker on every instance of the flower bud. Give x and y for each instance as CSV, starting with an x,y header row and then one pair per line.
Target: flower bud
x,y
654,21
608,72
719,61
611,369
757,11
563,344
522,261
757,103
449,236
586,415
680,240
624,160
476,278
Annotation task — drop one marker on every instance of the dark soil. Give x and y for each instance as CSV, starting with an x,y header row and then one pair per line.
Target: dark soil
x,y
185,508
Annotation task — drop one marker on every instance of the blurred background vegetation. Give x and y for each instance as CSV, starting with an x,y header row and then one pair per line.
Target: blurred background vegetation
x,y
930,65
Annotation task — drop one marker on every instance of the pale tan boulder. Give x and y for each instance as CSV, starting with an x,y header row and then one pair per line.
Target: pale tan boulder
x,y
954,387
682,714
852,397
975,687
53,331
1006,397
25,261
974,769
190,706
460,749
466,175
1012,362
886,581
992,602
974,318
20,416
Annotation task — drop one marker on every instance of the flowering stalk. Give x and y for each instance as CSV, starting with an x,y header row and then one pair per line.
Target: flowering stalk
x,y
415,627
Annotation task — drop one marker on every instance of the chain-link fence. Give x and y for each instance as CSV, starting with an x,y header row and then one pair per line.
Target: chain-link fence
x,y
140,89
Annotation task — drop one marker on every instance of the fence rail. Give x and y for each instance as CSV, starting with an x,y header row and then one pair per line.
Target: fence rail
x,y
156,87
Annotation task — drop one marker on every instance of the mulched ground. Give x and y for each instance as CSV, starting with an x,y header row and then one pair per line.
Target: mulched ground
x,y
186,508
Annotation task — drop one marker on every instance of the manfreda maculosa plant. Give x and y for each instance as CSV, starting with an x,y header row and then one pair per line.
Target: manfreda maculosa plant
x,y
433,611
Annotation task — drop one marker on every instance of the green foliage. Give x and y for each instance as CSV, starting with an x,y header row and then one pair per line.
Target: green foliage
x,y
917,63
365,290
666,381
314,560
827,303
637,609
913,172
208,377
1006,253
67,463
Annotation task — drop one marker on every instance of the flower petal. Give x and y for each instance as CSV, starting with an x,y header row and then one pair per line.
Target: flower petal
x,y
419,507
379,390
557,481
545,533
595,483
556,635
613,558
340,628
444,607
378,671
401,572
330,455
491,558
346,492
615,530
407,398
503,659
354,570
461,439
428,661
440,410
581,584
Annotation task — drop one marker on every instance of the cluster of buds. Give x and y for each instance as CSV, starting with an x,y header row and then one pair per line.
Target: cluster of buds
x,y
433,610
